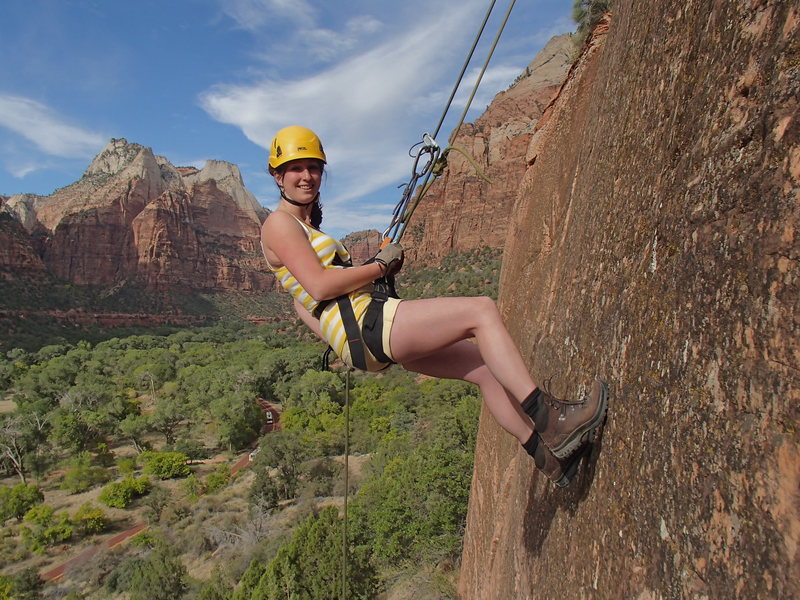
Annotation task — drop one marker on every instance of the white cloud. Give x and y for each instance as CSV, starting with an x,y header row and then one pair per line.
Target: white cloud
x,y
21,170
254,14
47,130
363,108
326,44
369,87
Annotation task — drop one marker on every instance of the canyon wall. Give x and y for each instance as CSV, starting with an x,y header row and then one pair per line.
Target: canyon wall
x,y
462,210
653,244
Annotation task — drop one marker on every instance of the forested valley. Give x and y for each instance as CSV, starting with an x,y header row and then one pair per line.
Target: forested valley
x,y
174,436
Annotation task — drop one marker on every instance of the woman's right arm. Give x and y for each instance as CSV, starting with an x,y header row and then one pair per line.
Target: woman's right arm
x,y
286,238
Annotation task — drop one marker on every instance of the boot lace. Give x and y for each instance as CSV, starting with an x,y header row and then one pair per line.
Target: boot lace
x,y
555,402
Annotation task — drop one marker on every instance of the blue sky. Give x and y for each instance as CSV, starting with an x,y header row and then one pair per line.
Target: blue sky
x,y
201,79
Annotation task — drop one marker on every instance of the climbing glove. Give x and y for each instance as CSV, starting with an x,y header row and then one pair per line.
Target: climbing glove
x,y
391,257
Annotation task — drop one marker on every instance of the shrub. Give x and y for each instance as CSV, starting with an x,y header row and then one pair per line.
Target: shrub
x,y
194,449
18,500
156,502
165,465
120,494
46,528
90,520
126,466
81,475
193,487
218,478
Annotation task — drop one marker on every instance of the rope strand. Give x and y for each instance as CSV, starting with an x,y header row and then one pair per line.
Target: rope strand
x,y
346,479
406,206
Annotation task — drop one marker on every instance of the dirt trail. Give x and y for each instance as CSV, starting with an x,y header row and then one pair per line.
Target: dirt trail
x,y
56,573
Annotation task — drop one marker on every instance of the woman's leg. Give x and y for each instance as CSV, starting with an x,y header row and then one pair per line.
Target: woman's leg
x,y
462,360
424,327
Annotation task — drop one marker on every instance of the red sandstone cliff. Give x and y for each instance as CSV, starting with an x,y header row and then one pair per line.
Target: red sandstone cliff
x,y
18,257
362,245
654,244
133,217
461,211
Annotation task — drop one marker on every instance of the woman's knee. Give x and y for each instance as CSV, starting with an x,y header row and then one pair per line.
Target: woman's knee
x,y
486,309
483,378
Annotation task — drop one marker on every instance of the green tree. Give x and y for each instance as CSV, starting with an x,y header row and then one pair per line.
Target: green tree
x,y
168,416
309,567
27,585
283,451
587,13
161,576
238,419
17,500
6,587
216,588
156,501
135,427
249,580
81,475
18,440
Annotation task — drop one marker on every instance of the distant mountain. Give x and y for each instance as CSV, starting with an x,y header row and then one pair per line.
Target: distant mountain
x,y
134,218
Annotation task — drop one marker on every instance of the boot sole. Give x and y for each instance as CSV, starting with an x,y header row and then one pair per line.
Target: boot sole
x,y
586,432
567,476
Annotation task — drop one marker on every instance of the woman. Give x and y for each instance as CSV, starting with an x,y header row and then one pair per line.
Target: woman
x,y
430,336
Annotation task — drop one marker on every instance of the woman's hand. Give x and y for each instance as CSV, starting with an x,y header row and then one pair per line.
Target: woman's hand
x,y
391,257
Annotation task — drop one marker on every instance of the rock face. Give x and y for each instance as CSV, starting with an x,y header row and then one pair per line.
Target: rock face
x,y
362,245
133,217
18,257
462,211
654,244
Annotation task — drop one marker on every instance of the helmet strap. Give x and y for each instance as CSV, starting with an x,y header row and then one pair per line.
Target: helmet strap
x,y
295,202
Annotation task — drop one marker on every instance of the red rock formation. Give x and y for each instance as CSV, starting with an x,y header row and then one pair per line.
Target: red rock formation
x,y
198,235
461,211
133,217
654,244
18,258
362,245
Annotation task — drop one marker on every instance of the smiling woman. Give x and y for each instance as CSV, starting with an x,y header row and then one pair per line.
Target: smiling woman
x,y
431,336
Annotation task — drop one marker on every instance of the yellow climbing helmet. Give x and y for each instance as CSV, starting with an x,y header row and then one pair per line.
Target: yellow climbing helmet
x,y
294,142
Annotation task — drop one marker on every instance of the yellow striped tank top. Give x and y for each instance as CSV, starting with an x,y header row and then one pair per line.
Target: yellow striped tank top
x,y
332,255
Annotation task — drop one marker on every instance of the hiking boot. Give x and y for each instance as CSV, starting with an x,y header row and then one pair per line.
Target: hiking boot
x,y
558,471
565,425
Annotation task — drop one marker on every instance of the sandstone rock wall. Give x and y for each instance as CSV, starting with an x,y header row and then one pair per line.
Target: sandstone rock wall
x,y
362,245
18,257
462,211
654,244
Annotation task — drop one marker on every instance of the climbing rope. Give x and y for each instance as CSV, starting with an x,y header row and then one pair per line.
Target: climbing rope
x,y
437,158
346,479
433,159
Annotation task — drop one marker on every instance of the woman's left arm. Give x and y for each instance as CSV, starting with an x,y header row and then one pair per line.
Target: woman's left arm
x,y
286,239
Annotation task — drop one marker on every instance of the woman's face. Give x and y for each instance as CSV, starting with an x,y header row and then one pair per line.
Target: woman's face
x,y
301,179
